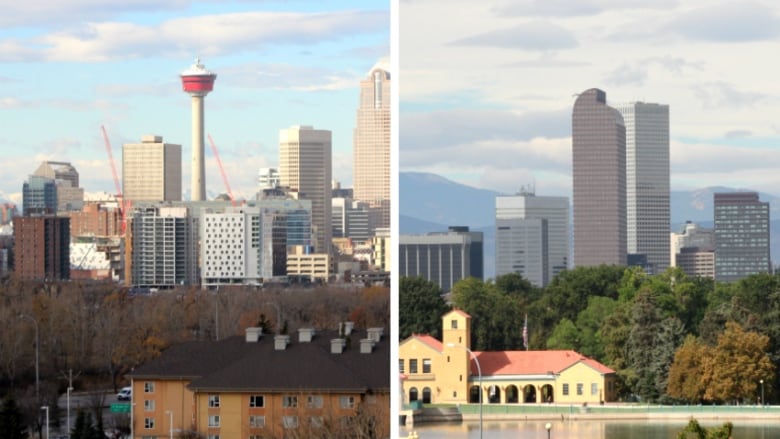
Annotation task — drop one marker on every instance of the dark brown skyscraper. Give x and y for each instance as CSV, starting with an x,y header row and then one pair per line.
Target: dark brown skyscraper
x,y
42,247
599,185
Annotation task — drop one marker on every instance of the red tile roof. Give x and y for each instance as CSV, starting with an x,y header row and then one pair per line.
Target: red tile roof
x,y
460,312
431,342
531,362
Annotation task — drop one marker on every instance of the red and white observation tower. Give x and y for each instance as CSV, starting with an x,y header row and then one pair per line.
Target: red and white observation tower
x,y
198,82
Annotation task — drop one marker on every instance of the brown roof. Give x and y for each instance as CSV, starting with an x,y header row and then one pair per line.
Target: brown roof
x,y
233,364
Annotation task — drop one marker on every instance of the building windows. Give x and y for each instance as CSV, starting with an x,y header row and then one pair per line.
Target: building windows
x,y
213,421
314,401
213,436
413,365
347,402
594,388
426,365
256,401
149,387
565,388
149,423
289,401
579,388
290,421
316,421
401,365
213,401
149,405
454,324
256,421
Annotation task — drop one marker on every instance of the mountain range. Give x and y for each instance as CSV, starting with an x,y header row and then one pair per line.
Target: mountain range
x,y
429,202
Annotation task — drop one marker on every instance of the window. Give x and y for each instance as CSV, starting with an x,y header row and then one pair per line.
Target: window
x,y
413,365
316,421
426,365
149,405
579,388
290,421
566,388
594,388
213,436
401,365
347,402
149,387
314,401
256,401
454,324
149,423
213,420
256,421
213,401
289,401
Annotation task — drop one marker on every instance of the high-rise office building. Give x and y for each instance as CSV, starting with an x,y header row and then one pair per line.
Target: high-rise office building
x,y
532,236
647,182
599,181
151,170
39,196
305,166
70,197
741,236
371,147
42,247
442,257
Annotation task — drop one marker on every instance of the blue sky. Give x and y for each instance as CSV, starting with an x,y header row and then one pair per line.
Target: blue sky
x,y
486,99
68,67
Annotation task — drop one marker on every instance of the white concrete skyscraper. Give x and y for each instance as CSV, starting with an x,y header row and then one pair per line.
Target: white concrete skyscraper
x,y
371,146
305,166
647,182
532,236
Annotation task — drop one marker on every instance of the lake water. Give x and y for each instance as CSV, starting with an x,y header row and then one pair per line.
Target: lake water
x,y
585,429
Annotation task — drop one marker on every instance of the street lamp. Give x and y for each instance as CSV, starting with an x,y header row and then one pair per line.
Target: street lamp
x,y
548,427
70,389
479,371
170,422
37,376
46,407
762,392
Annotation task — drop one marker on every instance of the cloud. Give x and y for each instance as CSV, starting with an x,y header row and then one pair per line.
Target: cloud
x,y
47,12
737,134
527,36
568,8
208,35
721,94
288,76
441,129
728,22
628,74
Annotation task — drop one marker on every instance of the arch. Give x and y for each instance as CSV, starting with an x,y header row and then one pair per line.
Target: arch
x,y
547,393
413,396
512,394
494,394
474,394
426,395
529,393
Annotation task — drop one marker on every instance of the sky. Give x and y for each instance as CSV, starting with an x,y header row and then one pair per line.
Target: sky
x,y
68,67
487,89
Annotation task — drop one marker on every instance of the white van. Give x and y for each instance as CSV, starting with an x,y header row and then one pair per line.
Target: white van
x,y
125,394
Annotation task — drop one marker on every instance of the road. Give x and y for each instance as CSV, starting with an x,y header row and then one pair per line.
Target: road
x,y
85,401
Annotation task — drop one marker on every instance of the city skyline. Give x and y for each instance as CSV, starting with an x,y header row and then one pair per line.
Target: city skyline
x,y
487,99
82,65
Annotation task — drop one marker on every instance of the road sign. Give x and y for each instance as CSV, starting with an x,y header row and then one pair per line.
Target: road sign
x,y
120,407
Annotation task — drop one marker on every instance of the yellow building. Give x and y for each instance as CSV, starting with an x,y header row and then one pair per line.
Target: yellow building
x,y
257,387
448,371
315,266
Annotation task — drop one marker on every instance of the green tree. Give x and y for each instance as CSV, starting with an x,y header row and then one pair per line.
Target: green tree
x,y
641,344
420,307
12,424
671,334
565,336
496,320
589,322
695,431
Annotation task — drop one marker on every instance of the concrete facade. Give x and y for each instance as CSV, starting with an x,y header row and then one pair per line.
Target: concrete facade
x,y
151,170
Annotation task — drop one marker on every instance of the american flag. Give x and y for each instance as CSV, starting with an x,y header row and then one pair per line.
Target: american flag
x,y
525,333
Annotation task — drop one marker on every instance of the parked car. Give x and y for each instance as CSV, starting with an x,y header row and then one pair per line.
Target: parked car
x,y
125,394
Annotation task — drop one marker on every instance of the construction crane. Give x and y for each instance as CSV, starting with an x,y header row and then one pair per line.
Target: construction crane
x,y
123,204
222,171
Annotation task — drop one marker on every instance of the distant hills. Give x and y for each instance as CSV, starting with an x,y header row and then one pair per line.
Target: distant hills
x,y
429,202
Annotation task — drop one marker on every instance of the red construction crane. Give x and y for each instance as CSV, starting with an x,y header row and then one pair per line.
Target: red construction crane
x,y
123,205
222,171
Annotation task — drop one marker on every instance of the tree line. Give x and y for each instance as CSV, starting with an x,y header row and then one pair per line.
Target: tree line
x,y
670,338
100,331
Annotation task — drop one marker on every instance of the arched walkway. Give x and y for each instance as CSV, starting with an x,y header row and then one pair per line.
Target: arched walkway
x,y
426,397
494,394
529,393
547,393
413,394
512,394
474,394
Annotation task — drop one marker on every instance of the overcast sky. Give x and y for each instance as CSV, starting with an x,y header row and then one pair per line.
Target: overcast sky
x,y
487,87
69,66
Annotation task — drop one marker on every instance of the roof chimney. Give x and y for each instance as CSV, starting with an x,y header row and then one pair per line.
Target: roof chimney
x,y
253,334
305,335
281,342
337,345
366,345
348,328
375,334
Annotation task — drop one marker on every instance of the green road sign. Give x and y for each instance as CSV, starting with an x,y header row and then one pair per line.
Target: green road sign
x,y
120,407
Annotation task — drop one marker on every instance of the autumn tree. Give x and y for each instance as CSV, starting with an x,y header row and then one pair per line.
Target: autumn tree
x,y
685,381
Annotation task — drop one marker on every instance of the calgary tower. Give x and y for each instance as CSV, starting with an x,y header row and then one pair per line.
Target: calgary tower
x,y
198,82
